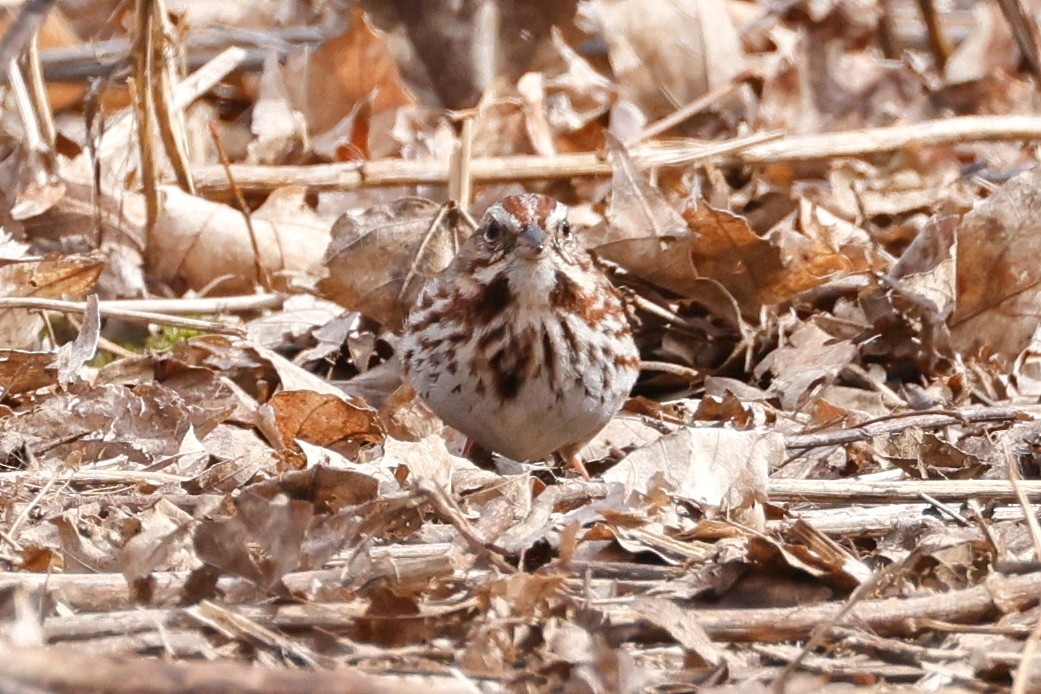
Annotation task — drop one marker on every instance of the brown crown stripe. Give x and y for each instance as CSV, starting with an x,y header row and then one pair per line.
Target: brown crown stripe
x,y
528,208
544,206
516,207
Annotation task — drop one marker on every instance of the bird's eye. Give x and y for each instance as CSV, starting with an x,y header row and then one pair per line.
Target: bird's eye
x,y
565,230
493,232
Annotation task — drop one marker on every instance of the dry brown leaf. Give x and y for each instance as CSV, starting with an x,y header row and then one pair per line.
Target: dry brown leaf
x,y
293,377
717,468
622,433
325,420
198,241
86,547
406,417
278,129
259,540
427,459
576,94
500,126
665,54
73,355
531,88
726,250
161,541
209,398
989,45
239,455
350,70
644,234
21,372
66,277
143,423
927,270
999,280
379,261
682,625
811,357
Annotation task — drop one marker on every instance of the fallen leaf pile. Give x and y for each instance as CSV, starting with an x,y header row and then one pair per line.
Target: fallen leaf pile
x,y
825,216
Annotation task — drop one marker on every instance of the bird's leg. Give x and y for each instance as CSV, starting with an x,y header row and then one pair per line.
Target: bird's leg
x,y
478,455
570,456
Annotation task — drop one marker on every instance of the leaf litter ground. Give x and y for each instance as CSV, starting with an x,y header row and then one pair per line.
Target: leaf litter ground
x,y
823,216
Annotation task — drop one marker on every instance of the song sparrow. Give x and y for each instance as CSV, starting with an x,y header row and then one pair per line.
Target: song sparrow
x,y
522,344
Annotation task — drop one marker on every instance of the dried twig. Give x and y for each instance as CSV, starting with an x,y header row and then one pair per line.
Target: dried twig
x,y
938,41
107,310
258,265
169,119
885,617
69,670
850,143
144,108
901,422
1024,28
860,492
26,24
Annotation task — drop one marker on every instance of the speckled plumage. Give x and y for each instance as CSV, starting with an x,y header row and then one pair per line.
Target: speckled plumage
x,y
522,343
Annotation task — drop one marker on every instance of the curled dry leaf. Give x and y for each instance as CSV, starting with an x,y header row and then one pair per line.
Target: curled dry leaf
x,y
576,94
767,271
238,455
350,70
329,489
916,299
644,234
989,45
199,241
666,54
406,417
717,468
726,250
927,271
999,278
209,398
682,625
73,355
379,260
686,253
293,377
161,542
85,545
343,500
811,357
425,459
277,127
622,433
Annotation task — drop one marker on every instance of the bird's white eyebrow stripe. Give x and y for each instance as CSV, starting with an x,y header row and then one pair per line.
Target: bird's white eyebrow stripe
x,y
557,217
499,214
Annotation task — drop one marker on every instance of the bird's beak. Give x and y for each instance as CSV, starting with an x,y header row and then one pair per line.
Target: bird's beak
x,y
532,239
